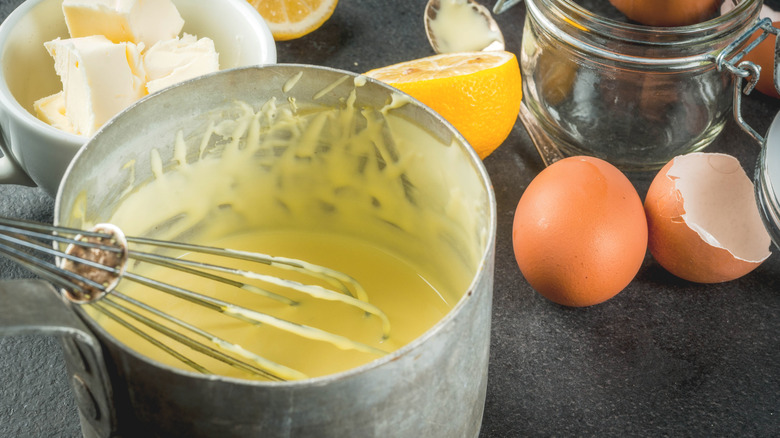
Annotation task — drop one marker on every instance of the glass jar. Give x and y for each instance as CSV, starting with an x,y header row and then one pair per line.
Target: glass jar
x,y
634,95
767,181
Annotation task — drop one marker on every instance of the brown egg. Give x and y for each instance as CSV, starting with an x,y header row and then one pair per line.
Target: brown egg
x,y
703,220
579,232
667,13
763,55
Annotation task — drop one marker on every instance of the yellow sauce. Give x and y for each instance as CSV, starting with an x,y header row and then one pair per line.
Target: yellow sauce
x,y
411,301
357,190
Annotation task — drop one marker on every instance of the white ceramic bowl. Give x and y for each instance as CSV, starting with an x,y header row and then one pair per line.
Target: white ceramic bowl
x,y
38,154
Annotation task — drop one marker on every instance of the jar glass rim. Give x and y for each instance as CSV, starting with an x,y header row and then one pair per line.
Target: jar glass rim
x,y
573,9
691,44
581,17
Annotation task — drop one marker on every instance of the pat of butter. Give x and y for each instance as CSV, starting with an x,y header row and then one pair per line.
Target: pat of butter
x,y
135,21
175,60
51,109
99,78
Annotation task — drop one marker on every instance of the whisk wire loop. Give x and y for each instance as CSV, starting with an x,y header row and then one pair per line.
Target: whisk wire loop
x,y
266,368
99,306
345,283
254,317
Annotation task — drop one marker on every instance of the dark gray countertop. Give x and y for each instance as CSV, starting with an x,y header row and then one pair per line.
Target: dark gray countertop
x,y
663,358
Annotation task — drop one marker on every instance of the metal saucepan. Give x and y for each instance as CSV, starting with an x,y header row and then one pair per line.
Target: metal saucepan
x,y
432,387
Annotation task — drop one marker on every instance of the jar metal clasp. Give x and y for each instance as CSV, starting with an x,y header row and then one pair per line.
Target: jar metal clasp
x,y
746,70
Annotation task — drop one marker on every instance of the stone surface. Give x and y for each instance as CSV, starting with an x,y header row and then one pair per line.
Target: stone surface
x,y
663,358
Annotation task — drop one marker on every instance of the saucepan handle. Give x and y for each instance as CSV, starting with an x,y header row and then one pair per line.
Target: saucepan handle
x,y
35,307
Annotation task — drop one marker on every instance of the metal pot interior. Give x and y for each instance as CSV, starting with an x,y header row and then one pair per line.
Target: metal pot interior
x,y
439,201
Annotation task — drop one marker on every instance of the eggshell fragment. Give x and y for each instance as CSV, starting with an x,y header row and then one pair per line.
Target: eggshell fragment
x,y
703,221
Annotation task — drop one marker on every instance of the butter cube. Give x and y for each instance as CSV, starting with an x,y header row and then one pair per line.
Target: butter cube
x,y
135,21
51,109
99,79
175,60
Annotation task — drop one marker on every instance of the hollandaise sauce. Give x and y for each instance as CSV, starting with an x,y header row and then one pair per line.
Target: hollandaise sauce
x,y
411,300
355,189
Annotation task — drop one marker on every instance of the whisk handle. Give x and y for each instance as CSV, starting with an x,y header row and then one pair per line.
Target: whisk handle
x,y
35,307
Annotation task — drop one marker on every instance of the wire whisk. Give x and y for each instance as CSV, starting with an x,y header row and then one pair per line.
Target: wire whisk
x,y
89,267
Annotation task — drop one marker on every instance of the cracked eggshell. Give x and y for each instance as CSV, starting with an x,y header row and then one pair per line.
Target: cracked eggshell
x,y
703,221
